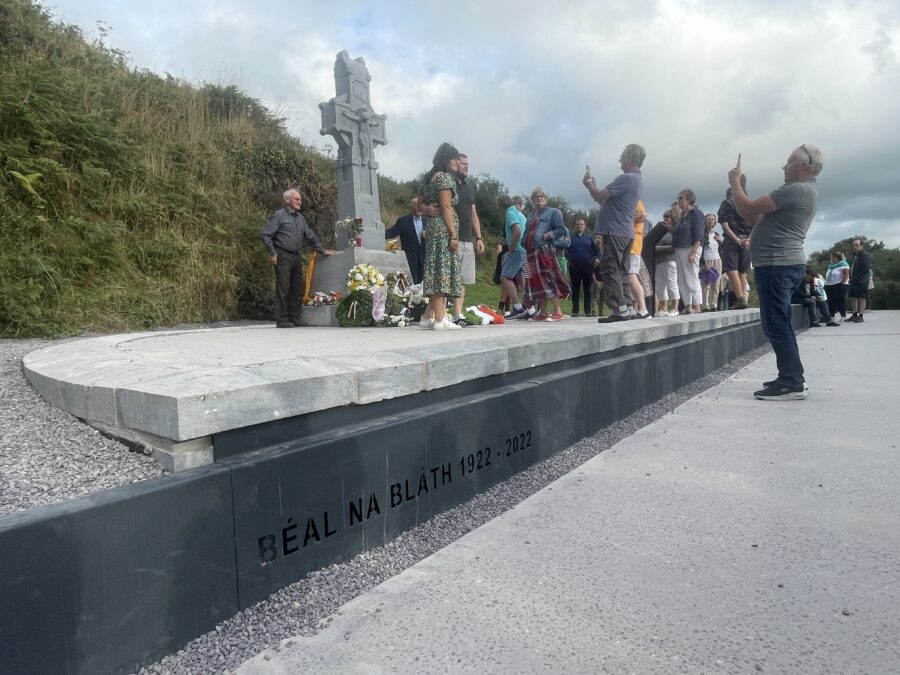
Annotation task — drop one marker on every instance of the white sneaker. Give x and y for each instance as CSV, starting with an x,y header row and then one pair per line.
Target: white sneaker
x,y
426,324
446,324
661,315
672,314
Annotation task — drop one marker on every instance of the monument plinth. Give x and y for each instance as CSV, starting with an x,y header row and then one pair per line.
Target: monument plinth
x,y
358,130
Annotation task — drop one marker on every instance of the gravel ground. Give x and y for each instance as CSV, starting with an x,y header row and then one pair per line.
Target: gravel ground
x,y
48,456
305,607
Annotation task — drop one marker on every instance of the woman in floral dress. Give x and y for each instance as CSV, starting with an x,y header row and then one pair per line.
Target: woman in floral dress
x,y
442,277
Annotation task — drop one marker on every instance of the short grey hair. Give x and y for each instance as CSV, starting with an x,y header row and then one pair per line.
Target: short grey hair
x,y
816,159
288,193
635,153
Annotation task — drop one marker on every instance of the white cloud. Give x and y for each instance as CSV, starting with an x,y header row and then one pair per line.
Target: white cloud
x,y
534,94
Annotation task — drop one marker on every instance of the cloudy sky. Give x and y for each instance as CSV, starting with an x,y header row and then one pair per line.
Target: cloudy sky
x,y
534,91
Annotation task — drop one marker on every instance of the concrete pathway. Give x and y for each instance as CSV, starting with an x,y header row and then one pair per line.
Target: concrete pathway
x,y
731,536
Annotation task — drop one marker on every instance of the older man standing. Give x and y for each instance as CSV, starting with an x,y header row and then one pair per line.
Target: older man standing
x,y
779,222
283,237
410,230
615,223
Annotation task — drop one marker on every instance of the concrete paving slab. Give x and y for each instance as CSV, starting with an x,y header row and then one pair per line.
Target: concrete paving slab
x,y
731,536
186,384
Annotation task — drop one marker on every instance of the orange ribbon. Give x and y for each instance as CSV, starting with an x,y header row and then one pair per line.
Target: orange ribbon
x,y
309,276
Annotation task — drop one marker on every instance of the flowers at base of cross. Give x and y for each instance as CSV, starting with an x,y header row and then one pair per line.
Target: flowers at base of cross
x,y
320,299
415,301
353,227
363,277
486,314
394,321
355,310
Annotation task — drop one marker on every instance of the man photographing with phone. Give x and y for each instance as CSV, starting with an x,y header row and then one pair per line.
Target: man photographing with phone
x,y
779,222
615,223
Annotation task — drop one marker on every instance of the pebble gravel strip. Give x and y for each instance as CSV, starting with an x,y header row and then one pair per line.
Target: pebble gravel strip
x,y
48,456
306,606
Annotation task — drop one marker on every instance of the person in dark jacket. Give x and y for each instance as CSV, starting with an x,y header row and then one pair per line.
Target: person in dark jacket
x,y
410,229
283,236
583,255
859,281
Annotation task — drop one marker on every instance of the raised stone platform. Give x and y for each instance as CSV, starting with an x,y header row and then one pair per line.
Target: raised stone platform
x,y
174,391
319,444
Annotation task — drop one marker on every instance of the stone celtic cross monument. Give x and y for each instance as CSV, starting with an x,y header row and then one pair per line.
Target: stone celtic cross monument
x,y
358,130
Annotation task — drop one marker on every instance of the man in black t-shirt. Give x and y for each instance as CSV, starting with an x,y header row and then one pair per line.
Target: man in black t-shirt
x,y
735,251
470,241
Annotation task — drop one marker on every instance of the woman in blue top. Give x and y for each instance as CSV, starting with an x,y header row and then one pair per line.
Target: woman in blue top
x,y
687,239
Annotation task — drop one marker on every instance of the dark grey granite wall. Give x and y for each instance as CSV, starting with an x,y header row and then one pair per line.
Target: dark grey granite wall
x,y
108,582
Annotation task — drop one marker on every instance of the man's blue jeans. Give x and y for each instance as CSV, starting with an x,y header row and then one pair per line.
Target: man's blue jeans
x,y
775,285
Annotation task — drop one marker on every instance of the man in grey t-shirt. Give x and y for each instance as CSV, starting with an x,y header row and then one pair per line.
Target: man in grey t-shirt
x,y
615,223
779,222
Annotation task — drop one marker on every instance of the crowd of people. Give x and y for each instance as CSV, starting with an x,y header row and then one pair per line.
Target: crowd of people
x,y
682,265
692,255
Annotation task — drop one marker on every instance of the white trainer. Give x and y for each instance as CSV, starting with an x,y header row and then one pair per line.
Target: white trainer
x,y
426,324
446,324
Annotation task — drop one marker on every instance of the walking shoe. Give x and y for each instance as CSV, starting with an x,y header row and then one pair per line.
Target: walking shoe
x,y
815,324
612,318
672,313
446,324
542,317
661,315
832,323
740,304
557,316
426,324
776,383
641,316
520,313
462,322
859,318
779,392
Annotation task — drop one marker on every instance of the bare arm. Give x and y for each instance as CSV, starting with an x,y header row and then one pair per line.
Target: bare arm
x,y
476,230
729,233
516,235
751,209
445,198
599,195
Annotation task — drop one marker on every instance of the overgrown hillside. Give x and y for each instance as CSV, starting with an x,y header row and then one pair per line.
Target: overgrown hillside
x,y
131,200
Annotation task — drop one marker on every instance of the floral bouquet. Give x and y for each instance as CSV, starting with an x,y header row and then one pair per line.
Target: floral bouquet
x,y
355,310
353,227
320,299
397,282
394,321
414,301
363,277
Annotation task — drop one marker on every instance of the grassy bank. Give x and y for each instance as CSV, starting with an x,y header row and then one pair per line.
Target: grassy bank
x,y
131,200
